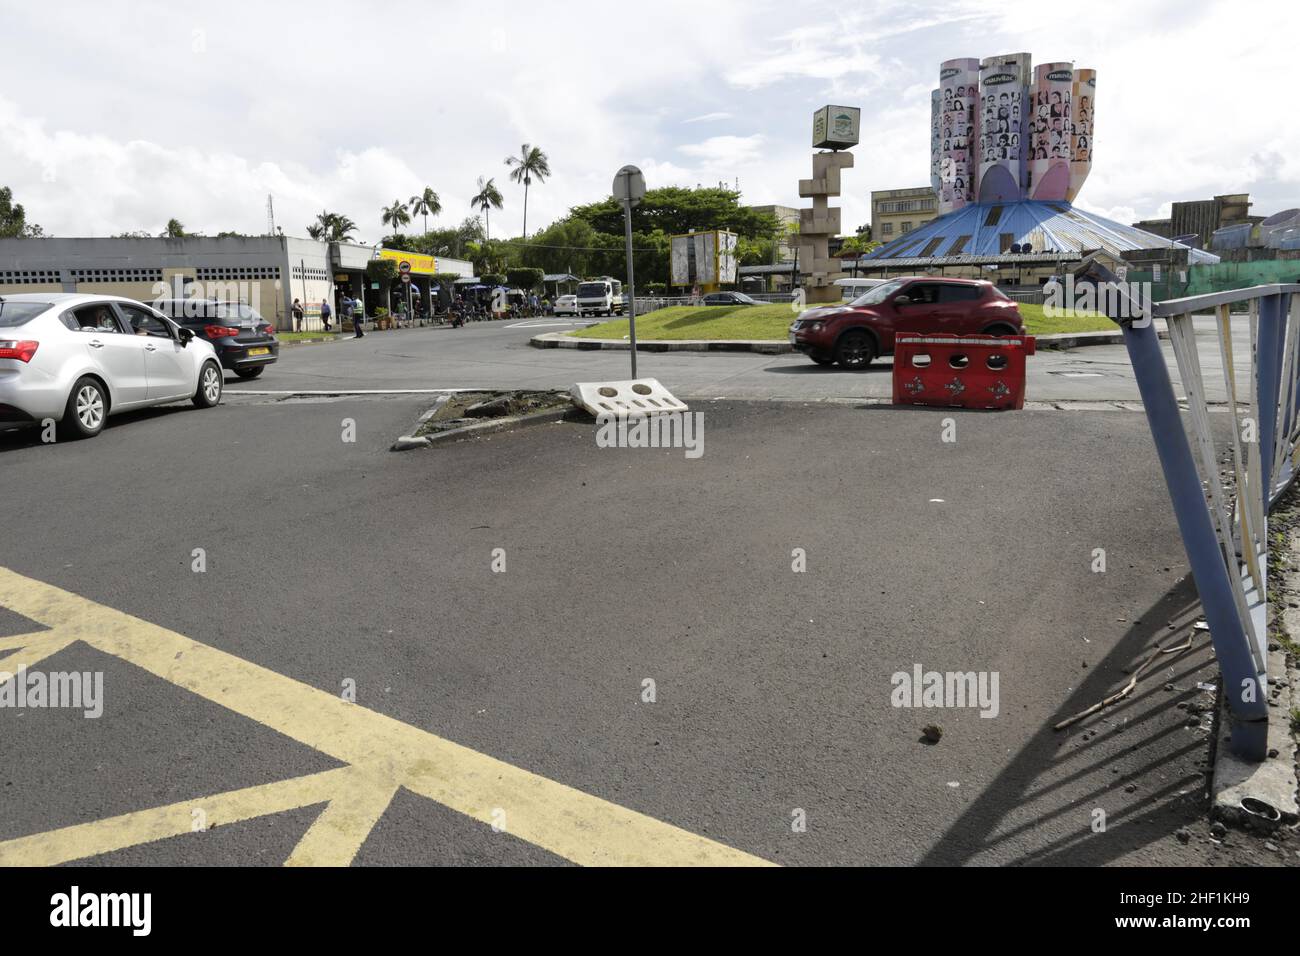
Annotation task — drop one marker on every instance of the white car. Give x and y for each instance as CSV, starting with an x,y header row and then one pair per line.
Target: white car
x,y
566,305
76,359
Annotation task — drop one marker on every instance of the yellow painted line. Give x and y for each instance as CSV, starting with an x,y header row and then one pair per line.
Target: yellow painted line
x,y
339,831
145,826
33,651
22,640
551,815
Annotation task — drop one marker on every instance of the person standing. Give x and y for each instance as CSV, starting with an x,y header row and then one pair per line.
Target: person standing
x,y
296,312
325,314
345,310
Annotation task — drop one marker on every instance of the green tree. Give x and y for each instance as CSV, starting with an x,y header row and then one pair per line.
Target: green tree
x,y
524,277
530,164
13,219
175,229
396,215
676,210
485,200
426,204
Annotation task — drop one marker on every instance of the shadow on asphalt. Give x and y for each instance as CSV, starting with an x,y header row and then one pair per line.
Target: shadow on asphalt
x,y
29,435
1102,754
812,368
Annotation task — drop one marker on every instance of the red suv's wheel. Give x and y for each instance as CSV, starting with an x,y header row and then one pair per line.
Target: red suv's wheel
x,y
855,350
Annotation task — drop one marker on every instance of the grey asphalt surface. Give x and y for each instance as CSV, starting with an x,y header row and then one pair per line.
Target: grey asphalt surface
x,y
329,561
497,355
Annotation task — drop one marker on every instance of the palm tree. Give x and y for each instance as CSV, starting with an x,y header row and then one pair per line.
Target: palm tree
x,y
395,215
316,231
175,230
426,204
529,164
341,228
488,198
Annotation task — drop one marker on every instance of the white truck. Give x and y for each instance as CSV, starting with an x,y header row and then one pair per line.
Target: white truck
x,y
603,296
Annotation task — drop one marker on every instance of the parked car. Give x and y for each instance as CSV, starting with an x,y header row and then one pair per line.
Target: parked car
x,y
728,298
244,341
76,359
566,305
855,334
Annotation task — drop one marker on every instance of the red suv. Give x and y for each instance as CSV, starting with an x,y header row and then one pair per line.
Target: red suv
x,y
855,333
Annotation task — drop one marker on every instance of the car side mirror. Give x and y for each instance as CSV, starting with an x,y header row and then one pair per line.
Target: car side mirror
x,y
901,300
185,335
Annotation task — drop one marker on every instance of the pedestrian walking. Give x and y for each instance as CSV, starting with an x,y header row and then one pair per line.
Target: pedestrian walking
x,y
296,312
325,314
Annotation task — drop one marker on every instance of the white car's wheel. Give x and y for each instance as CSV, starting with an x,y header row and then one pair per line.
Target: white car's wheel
x,y
86,410
210,385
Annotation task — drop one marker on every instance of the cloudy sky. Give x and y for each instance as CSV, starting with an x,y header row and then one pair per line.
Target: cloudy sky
x,y
115,116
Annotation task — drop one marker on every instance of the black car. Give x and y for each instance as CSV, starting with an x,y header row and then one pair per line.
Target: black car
x,y
728,298
244,342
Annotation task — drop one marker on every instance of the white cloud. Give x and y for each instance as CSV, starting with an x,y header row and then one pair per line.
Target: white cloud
x,y
342,118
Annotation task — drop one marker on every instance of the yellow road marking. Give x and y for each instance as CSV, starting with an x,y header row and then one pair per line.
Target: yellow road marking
x,y
145,826
558,818
34,649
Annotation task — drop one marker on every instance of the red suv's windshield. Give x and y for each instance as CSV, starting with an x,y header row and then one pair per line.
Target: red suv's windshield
x,y
879,294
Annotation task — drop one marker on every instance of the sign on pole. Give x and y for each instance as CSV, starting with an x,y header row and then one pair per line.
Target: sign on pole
x,y
629,189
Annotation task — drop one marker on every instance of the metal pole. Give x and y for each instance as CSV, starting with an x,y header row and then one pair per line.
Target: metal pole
x,y
1268,364
1249,721
631,284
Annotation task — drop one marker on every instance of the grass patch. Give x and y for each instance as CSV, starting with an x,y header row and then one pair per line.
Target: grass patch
x,y
701,322
771,322
1039,324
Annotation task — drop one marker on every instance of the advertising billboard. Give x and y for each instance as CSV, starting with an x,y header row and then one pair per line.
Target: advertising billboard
x,y
1050,128
1002,145
958,92
703,258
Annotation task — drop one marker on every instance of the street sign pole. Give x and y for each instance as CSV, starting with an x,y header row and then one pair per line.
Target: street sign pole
x,y
629,188
631,284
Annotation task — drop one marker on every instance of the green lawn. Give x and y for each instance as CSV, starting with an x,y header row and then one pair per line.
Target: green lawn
x,y
772,321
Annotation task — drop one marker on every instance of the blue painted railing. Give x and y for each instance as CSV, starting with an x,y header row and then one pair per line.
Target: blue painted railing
x,y
1225,536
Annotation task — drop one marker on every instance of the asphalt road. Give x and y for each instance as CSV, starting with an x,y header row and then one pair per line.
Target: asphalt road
x,y
331,562
497,355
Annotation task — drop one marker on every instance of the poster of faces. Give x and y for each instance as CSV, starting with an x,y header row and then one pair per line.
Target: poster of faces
x,y
1084,89
958,94
1003,126
1050,126
936,183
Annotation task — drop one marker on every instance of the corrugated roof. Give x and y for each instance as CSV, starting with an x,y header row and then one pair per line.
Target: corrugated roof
x,y
1048,227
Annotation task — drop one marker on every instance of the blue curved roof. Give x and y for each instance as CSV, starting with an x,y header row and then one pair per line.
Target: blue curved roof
x,y
977,230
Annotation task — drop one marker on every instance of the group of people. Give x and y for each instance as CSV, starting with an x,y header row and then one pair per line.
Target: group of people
x,y
347,307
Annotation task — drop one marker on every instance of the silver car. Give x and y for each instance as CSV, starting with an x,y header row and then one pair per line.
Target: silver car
x,y
76,359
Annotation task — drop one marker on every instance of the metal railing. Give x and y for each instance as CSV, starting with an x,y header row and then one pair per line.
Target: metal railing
x,y
1225,533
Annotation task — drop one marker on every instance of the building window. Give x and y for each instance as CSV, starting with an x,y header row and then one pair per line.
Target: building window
x,y
958,245
905,227
995,214
887,229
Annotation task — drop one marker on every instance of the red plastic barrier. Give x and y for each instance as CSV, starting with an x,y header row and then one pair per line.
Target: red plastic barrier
x,y
961,371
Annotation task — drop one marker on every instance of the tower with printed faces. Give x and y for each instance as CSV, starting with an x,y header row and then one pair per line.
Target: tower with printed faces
x,y
1003,131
